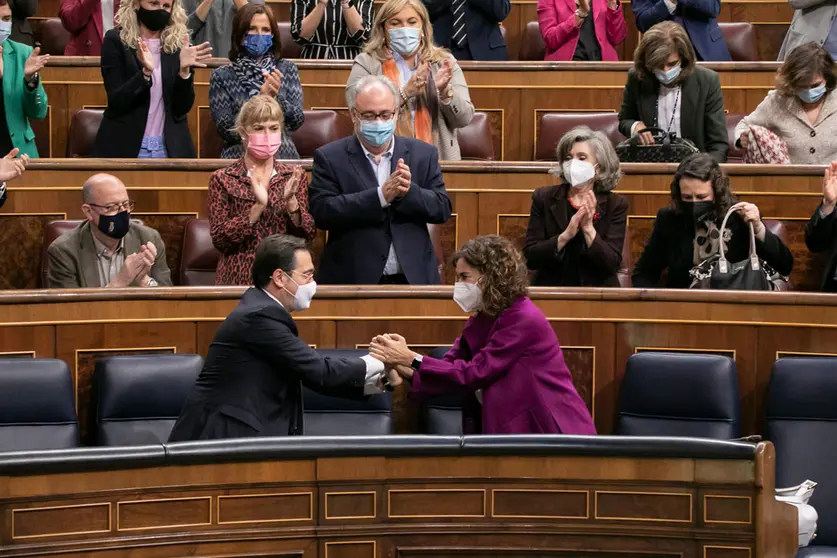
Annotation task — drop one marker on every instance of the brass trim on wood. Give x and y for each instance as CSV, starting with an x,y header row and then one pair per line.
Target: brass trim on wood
x,y
18,353
129,502
415,490
684,350
232,496
729,497
363,492
641,519
47,508
517,516
782,354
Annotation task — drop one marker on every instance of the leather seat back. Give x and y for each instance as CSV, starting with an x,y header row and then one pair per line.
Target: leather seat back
x,y
290,48
198,256
441,414
83,130
53,37
337,416
319,128
52,231
801,421
532,46
137,399
37,405
741,40
553,126
435,232
680,394
475,139
626,267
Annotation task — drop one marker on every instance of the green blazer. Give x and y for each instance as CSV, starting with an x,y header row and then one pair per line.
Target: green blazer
x,y
21,102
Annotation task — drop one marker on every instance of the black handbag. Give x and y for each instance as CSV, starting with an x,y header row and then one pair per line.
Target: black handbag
x,y
751,274
667,148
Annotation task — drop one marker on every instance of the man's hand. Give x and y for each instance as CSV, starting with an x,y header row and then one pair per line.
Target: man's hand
x,y
404,178
148,253
11,168
132,269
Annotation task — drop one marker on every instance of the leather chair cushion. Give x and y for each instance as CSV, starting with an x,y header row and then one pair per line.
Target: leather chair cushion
x,y
801,421
83,130
37,405
676,394
319,128
138,398
53,230
53,37
475,139
441,415
741,40
532,46
81,459
553,126
198,256
290,48
817,551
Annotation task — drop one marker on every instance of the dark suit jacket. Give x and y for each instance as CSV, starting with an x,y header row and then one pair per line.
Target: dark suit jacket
x,y
129,96
698,17
343,199
702,117
482,26
821,236
671,247
596,265
21,30
251,382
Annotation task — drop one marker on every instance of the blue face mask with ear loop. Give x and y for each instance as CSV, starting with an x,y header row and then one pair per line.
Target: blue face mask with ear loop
x,y
667,76
256,44
5,30
377,132
812,95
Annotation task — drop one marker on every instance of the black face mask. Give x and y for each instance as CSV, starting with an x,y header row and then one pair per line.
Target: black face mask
x,y
115,226
697,211
154,20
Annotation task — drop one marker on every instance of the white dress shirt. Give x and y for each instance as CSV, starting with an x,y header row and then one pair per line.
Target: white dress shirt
x,y
671,5
670,101
107,16
374,367
382,170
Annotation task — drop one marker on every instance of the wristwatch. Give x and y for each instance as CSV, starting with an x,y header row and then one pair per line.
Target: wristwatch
x,y
416,364
385,382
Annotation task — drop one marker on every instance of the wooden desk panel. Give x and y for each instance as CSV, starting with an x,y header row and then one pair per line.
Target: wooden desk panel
x,y
512,94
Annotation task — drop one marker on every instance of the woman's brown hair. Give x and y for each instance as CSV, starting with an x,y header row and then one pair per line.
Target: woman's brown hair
x,y
241,25
660,42
504,275
701,166
800,67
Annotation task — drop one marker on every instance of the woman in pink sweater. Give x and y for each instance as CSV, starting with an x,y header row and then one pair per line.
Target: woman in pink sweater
x,y
586,30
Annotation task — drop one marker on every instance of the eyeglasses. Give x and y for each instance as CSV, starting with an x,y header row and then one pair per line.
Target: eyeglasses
x,y
115,207
370,116
308,276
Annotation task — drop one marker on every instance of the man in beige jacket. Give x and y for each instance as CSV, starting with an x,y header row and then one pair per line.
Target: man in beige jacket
x,y
107,249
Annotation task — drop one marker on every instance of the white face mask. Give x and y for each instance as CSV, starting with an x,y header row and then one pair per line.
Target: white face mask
x,y
303,296
578,172
468,296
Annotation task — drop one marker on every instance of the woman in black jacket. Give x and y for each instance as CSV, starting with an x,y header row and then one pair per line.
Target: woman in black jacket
x,y
147,69
688,232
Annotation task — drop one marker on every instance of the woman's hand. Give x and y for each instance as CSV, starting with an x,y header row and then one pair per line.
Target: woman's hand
x,y
193,56
34,64
259,190
272,83
744,139
291,188
750,213
391,349
829,189
613,4
645,138
145,58
405,372
573,227
418,82
443,77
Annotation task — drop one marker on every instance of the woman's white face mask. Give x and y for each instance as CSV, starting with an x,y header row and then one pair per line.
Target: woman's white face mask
x,y
468,296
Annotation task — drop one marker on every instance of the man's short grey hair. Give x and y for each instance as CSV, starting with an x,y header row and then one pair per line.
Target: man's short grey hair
x,y
368,81
609,170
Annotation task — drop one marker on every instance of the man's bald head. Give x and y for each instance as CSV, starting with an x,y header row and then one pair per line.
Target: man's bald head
x,y
104,189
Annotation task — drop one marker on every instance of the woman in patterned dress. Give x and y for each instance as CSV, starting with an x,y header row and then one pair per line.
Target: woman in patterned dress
x,y
257,68
331,29
256,196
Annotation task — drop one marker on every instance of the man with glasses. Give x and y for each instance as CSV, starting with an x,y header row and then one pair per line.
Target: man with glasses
x,y
107,249
375,194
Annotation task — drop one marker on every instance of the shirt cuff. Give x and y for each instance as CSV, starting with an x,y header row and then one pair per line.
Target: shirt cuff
x,y
820,212
374,369
671,5
381,198
634,127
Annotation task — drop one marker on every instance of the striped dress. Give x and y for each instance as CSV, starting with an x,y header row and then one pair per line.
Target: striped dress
x,y
332,39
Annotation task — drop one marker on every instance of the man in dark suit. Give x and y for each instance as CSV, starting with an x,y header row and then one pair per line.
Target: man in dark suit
x,y
698,17
375,193
251,382
470,29
821,232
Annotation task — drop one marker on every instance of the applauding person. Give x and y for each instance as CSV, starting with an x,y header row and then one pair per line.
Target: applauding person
x,y
10,168
147,68
256,68
821,232
331,29
508,350
23,95
589,32
256,196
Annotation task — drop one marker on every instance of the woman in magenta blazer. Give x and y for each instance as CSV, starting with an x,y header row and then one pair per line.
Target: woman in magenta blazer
x,y
508,353
573,31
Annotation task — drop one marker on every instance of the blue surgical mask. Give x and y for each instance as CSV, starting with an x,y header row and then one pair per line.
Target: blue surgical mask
x,y
257,45
812,95
666,77
404,40
377,132
5,30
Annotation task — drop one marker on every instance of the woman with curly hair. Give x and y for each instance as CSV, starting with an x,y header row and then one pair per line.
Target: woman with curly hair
x,y
508,352
147,69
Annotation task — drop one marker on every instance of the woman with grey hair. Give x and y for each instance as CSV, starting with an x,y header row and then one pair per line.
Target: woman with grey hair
x,y
577,228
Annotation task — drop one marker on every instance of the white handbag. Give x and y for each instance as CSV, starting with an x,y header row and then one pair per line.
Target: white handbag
x,y
798,496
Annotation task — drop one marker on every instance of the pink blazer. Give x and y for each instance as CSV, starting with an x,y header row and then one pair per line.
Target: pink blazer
x,y
557,21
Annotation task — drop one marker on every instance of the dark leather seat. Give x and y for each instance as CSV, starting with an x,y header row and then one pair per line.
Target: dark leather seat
x,y
435,232
626,267
741,40
211,143
198,256
801,421
136,399
338,416
53,37
680,394
290,48
83,130
441,414
37,405
532,46
475,139
320,127
553,125
53,230
734,154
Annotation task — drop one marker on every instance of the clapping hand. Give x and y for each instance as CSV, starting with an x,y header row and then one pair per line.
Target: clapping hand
x,y
193,56
272,83
34,64
584,6
291,188
398,183
417,83
829,188
136,267
12,168
444,76
259,190
145,58
576,223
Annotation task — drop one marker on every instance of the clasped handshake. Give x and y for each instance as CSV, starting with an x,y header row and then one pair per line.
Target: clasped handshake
x,y
392,350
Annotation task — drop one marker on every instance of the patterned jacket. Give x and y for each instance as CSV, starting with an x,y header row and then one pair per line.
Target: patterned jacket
x,y
227,94
230,200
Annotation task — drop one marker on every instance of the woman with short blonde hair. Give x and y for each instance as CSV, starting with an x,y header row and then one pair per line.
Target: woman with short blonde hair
x,y
256,196
432,92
